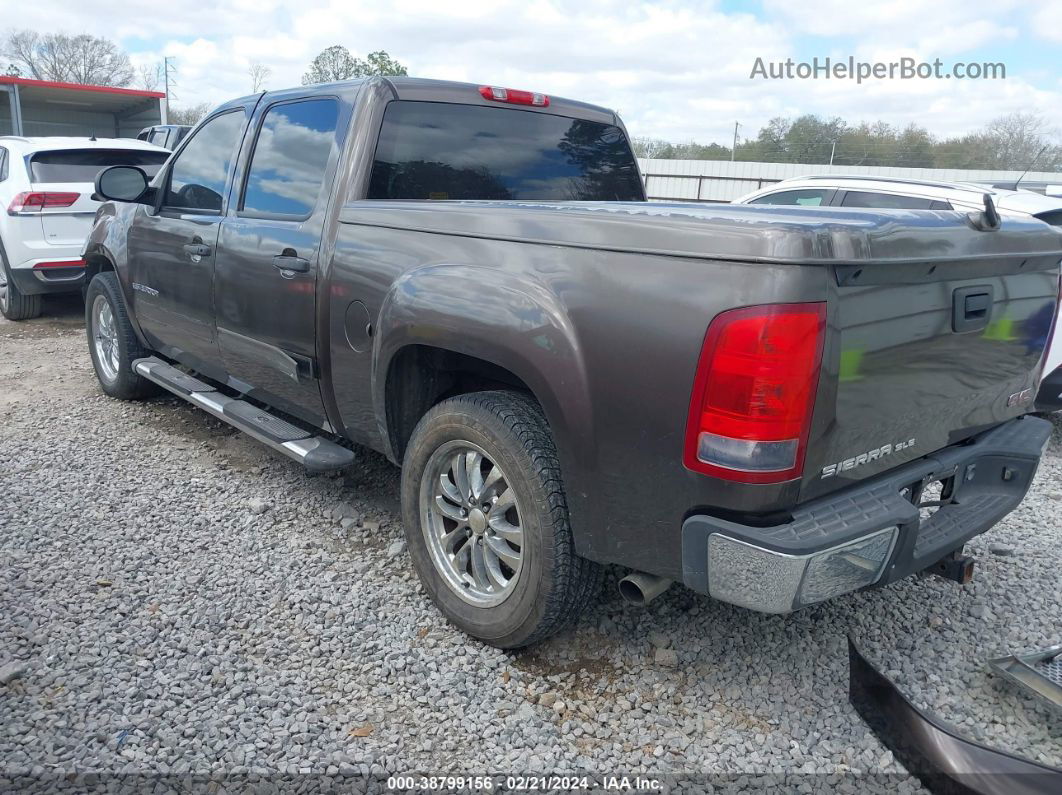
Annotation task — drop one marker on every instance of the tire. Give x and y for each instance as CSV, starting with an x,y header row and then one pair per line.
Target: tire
x,y
14,304
113,345
545,590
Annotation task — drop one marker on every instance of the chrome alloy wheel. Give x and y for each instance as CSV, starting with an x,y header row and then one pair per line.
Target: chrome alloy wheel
x,y
105,338
3,286
471,523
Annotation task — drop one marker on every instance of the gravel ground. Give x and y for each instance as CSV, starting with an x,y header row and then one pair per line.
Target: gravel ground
x,y
174,599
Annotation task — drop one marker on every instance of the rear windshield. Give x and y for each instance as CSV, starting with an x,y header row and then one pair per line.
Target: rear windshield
x,y
1053,217
434,150
82,165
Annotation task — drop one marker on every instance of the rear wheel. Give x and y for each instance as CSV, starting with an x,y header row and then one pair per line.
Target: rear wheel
x,y
113,344
14,304
487,523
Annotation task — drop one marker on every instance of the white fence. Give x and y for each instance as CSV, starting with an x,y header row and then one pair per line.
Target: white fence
x,y
723,180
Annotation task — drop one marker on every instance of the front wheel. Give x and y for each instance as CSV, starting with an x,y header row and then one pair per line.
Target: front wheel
x,y
113,344
486,520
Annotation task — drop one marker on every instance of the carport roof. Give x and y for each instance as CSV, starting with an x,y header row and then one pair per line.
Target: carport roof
x,y
103,98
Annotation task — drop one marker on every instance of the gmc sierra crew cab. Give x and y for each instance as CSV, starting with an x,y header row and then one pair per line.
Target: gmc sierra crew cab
x,y
773,406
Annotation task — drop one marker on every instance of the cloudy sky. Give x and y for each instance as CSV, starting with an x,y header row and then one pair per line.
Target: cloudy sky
x,y
677,70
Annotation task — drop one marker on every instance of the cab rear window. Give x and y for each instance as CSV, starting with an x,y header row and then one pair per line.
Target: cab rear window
x,y
82,165
435,150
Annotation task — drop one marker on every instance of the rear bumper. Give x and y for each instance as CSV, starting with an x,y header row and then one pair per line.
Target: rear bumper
x,y
40,280
868,534
1049,398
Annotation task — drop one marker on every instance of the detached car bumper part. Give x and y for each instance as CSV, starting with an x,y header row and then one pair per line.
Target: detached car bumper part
x,y
944,761
870,533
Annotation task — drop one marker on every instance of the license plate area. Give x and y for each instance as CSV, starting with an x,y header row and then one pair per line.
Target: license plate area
x,y
929,495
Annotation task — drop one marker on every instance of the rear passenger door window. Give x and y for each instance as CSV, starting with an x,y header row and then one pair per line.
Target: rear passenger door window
x,y
290,158
806,197
888,201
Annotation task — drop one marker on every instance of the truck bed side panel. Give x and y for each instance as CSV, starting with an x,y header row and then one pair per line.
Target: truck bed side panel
x,y
545,313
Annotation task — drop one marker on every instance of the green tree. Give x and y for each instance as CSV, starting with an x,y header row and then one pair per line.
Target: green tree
x,y
336,63
378,63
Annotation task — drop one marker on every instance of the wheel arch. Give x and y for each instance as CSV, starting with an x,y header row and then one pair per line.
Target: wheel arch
x,y
98,259
430,344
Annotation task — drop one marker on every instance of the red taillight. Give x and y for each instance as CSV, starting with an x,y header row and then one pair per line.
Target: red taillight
x,y
514,97
35,201
754,392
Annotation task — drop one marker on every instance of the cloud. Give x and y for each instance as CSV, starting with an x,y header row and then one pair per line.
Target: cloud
x,y
678,70
1047,21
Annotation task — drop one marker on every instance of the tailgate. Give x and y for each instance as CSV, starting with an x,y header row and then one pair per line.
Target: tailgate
x,y
923,352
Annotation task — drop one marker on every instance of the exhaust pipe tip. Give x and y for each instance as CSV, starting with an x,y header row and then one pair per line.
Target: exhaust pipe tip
x,y
639,588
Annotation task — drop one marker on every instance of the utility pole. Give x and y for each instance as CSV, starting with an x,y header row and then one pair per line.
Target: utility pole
x,y
733,151
833,148
166,79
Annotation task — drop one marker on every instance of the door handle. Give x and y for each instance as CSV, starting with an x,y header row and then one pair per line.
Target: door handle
x,y
291,262
197,250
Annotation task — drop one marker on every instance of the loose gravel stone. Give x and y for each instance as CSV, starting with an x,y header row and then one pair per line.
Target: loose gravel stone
x,y
659,639
10,671
1002,550
666,657
234,641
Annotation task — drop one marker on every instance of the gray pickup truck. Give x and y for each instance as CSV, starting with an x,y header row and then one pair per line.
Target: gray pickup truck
x,y
773,406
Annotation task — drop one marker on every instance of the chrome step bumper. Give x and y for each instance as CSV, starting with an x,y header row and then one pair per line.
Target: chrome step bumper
x,y
316,453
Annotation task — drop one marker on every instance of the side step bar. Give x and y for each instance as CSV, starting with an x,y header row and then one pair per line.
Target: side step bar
x,y
316,453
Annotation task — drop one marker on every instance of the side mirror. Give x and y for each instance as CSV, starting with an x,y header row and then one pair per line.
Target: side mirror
x,y
123,184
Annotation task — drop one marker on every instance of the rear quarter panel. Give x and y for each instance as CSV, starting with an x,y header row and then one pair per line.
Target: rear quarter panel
x,y
608,342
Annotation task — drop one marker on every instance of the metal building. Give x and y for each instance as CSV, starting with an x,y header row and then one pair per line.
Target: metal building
x,y
40,107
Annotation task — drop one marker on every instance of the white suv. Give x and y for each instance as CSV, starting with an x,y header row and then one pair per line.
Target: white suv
x,y
46,211
909,194
888,193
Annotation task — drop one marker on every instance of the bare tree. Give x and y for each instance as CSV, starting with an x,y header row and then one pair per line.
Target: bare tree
x,y
334,63
188,115
649,147
259,73
1016,141
147,77
85,59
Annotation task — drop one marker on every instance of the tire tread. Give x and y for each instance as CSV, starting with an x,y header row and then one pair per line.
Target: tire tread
x,y
129,385
576,579
19,305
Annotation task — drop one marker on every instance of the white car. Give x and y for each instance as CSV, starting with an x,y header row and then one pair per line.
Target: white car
x,y
909,194
46,211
